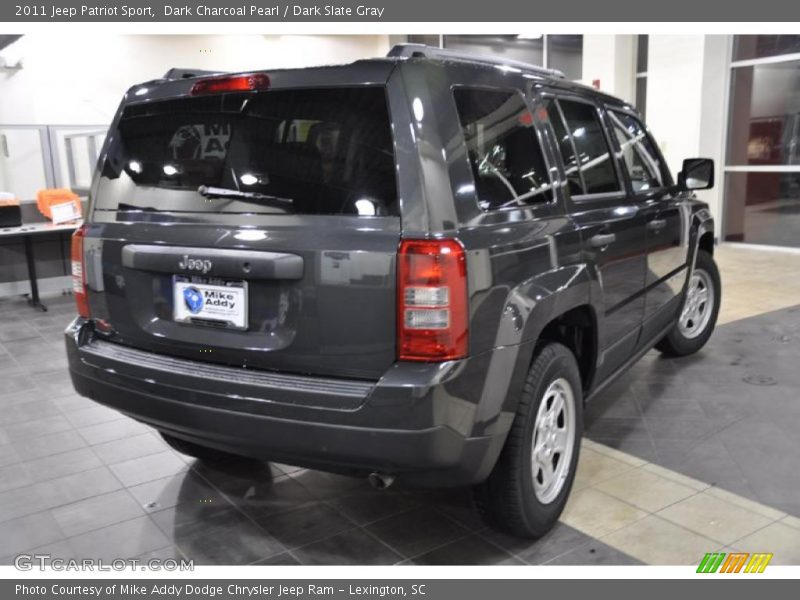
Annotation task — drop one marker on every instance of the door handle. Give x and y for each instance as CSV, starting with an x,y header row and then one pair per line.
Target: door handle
x,y
601,240
657,224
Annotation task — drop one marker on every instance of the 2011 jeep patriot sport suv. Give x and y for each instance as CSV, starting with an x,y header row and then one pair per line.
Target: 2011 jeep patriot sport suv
x,y
418,267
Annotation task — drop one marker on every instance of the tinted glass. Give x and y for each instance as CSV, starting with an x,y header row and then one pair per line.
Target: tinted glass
x,y
503,149
746,47
594,155
765,115
565,53
638,152
642,47
763,208
566,149
308,151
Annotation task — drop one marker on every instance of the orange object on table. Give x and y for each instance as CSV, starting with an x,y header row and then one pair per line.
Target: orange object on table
x,y
47,198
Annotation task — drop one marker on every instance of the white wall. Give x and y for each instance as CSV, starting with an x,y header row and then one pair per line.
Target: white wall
x,y
713,123
612,60
686,99
68,79
674,94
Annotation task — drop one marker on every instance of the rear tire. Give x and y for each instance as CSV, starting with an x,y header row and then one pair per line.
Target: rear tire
x,y
201,453
522,496
698,315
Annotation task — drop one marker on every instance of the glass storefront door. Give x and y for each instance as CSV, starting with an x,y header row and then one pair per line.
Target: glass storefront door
x,y
762,172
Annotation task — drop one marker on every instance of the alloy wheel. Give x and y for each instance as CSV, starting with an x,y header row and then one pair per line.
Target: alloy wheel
x,y
698,305
553,440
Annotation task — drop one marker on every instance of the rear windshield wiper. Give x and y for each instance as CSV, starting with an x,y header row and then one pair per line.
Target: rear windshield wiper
x,y
218,192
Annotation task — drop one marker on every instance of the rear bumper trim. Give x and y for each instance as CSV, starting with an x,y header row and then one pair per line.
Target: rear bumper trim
x,y
238,375
397,433
309,444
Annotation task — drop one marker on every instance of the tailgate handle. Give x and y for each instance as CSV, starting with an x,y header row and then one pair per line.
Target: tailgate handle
x,y
213,262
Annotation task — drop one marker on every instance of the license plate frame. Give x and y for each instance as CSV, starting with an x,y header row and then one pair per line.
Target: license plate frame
x,y
204,304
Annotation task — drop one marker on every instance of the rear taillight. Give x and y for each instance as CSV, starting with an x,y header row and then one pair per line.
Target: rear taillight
x,y
79,273
233,83
431,300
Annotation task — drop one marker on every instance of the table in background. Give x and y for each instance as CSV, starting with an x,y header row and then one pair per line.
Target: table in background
x,y
27,232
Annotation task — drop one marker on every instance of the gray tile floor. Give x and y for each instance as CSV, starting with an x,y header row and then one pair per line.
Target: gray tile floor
x,y
729,416
80,480
77,479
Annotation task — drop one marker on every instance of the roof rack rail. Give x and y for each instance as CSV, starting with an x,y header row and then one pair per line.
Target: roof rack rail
x,y
179,73
423,51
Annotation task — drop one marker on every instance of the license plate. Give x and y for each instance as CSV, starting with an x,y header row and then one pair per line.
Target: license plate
x,y
210,302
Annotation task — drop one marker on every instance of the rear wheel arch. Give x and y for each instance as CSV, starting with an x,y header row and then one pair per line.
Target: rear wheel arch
x,y
558,307
576,329
509,499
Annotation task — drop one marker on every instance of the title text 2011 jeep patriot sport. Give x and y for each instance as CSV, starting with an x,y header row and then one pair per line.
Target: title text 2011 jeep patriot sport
x,y
417,267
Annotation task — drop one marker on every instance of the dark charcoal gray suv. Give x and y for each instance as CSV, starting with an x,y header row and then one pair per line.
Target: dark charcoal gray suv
x,y
419,267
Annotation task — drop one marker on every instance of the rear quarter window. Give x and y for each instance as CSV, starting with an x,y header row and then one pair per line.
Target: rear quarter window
x,y
503,150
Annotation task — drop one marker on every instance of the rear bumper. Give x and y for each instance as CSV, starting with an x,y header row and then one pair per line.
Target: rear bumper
x,y
410,424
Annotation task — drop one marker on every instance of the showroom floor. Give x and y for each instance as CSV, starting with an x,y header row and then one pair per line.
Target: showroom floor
x,y
683,457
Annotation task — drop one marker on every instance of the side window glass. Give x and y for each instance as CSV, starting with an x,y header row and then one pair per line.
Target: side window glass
x,y
594,155
637,150
503,150
566,149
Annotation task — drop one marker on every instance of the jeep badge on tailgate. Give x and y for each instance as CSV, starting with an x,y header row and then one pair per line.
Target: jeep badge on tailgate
x,y
195,264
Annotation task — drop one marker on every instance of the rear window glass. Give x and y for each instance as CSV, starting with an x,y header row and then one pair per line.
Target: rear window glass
x,y
313,151
506,159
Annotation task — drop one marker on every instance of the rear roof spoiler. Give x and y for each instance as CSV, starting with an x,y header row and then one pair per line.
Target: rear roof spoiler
x,y
179,73
423,51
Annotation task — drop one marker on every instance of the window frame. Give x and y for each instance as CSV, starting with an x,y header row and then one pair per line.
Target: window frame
x,y
665,172
620,175
530,105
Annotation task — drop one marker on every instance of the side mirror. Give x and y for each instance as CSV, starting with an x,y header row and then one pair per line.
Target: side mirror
x,y
696,174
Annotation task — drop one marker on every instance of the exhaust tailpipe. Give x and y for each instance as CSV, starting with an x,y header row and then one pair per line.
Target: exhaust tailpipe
x,y
380,481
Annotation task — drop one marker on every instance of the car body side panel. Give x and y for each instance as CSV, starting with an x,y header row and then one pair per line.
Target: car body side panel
x,y
429,118
668,252
523,263
410,182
